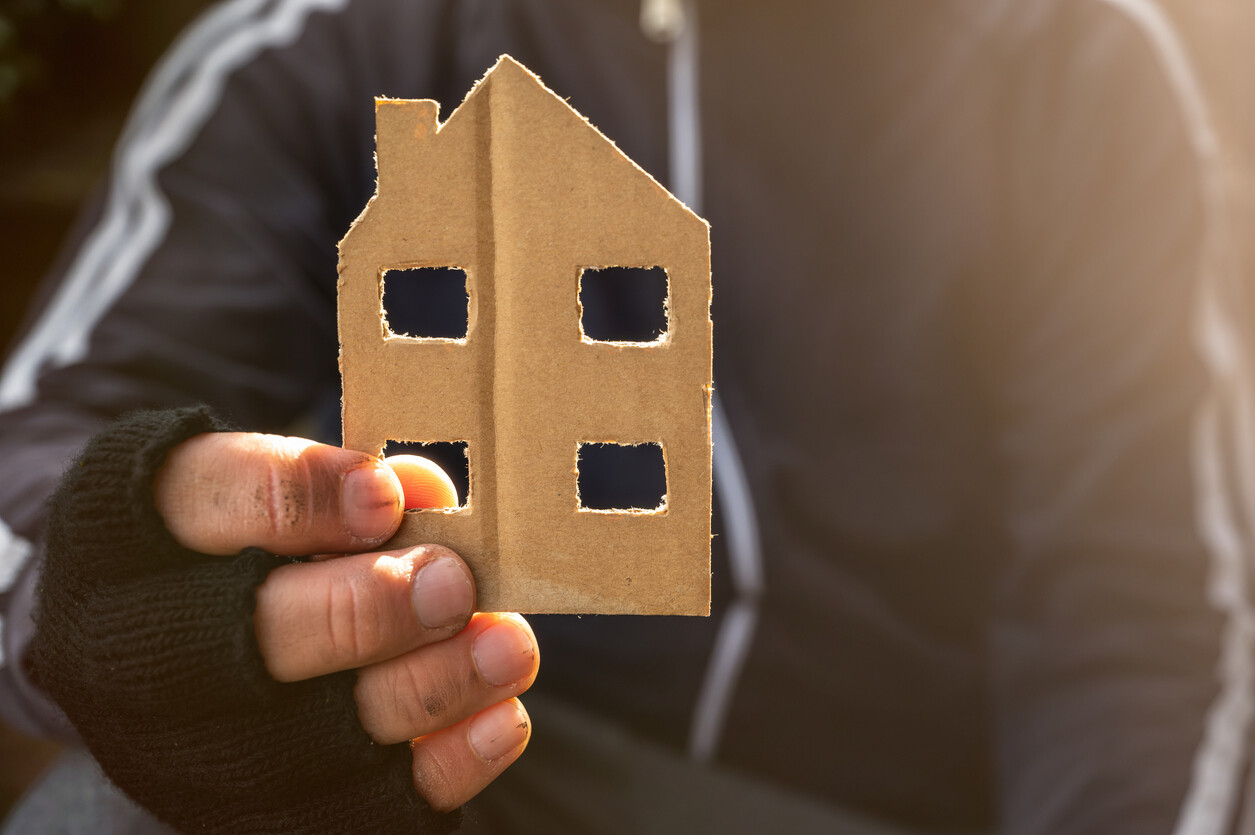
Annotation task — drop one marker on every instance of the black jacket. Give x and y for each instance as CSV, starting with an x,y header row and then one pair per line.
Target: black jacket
x,y
972,340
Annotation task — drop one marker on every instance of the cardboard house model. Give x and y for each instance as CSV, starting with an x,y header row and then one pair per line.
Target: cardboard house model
x,y
521,193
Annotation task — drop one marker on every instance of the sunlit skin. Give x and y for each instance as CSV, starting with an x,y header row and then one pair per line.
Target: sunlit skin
x,y
429,667
425,485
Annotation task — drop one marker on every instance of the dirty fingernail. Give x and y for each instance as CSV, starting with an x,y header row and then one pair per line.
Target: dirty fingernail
x,y
503,653
370,502
498,730
442,593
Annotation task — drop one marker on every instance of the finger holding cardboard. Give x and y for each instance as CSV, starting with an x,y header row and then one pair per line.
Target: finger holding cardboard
x,y
221,492
424,483
423,672
421,692
427,669
344,613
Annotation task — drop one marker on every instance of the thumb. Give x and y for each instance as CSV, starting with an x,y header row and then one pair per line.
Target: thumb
x,y
221,492
424,483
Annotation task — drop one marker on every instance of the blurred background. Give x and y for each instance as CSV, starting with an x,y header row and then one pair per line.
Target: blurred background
x,y
68,72
70,68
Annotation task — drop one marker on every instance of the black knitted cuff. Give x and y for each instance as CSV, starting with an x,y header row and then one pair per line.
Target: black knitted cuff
x,y
149,649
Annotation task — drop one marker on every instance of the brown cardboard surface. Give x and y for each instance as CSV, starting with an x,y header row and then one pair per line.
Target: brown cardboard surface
x,y
522,193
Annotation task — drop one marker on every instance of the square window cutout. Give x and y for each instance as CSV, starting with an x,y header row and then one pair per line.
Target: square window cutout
x,y
623,304
621,478
426,302
450,456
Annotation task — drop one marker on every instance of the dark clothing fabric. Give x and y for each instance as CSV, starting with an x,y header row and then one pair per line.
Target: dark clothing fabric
x,y
658,791
149,649
970,335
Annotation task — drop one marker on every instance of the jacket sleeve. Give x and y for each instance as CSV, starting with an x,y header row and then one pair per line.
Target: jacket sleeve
x,y
1120,638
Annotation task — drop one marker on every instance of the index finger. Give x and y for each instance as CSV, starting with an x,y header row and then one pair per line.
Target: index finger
x,y
221,492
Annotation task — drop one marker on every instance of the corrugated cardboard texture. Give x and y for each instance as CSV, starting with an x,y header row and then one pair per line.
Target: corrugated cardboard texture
x,y
522,193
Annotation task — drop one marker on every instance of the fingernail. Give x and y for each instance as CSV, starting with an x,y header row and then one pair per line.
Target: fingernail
x,y
442,594
503,653
370,501
498,730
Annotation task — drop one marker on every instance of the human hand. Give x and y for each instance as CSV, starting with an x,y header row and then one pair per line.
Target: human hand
x,y
428,669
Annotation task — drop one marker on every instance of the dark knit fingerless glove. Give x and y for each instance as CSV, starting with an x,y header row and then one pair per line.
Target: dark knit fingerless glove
x,y
148,647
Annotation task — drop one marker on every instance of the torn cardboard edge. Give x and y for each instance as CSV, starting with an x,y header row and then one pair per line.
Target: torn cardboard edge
x,y
523,194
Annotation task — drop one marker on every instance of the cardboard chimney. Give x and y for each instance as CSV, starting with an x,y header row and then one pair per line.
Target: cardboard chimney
x,y
521,193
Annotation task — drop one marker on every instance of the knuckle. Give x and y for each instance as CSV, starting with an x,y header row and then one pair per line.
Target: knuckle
x,y
443,699
435,779
353,626
283,496
425,696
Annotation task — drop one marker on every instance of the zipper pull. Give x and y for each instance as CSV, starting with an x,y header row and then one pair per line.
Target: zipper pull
x,y
662,21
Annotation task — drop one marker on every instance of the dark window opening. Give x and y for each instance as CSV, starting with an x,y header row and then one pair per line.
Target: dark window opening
x,y
623,304
427,302
621,476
